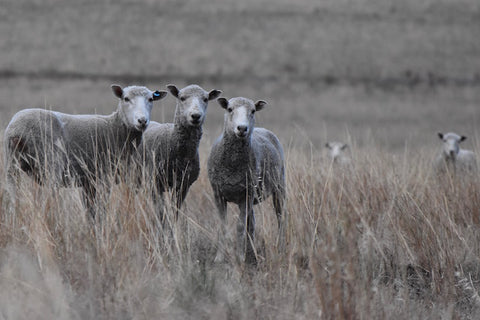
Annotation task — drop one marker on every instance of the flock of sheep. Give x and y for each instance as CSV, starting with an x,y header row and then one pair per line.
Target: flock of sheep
x,y
245,166
451,160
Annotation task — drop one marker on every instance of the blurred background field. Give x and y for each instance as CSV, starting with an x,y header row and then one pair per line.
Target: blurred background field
x,y
394,71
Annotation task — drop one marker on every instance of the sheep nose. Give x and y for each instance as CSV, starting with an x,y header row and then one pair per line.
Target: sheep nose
x,y
452,153
196,116
242,129
142,122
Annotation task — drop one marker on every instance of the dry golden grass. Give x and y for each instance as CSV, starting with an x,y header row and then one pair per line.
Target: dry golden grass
x,y
383,240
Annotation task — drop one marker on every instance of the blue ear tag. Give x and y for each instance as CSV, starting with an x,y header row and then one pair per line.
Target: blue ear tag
x,y
156,94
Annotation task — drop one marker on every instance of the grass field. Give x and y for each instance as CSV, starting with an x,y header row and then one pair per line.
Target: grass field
x,y
385,240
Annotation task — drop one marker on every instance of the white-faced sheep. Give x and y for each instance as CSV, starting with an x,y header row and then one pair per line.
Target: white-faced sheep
x,y
70,149
453,159
172,148
337,153
245,166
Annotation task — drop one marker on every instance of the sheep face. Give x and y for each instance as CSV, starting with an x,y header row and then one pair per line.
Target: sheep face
x,y
192,102
240,115
336,150
451,144
136,104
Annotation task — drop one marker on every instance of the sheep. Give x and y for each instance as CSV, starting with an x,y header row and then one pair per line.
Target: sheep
x,y
76,150
246,166
337,153
452,158
172,148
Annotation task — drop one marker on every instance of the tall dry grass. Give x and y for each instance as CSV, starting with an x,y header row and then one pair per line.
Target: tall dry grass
x,y
384,239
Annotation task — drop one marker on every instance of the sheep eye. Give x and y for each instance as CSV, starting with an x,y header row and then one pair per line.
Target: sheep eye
x,y
183,98
229,109
205,100
150,99
126,99
253,111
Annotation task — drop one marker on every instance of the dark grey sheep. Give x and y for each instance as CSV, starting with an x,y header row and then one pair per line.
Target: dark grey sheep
x,y
172,148
246,165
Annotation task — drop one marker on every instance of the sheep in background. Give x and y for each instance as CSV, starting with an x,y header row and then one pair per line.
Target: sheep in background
x,y
66,149
337,153
452,158
245,166
171,149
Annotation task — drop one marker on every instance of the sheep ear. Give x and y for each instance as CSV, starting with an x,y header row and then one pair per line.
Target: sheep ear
x,y
117,91
223,102
157,95
327,145
173,90
259,105
463,138
440,135
214,94
345,146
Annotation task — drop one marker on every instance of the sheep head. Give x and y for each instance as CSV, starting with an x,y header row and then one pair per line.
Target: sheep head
x,y
336,149
451,144
240,115
192,103
135,105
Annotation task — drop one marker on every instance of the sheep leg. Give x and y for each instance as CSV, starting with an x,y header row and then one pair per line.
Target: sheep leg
x,y
221,204
246,231
279,204
157,195
165,224
12,185
159,204
179,197
88,196
250,256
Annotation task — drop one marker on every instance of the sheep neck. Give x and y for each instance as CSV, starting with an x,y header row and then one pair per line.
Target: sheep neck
x,y
125,135
187,138
238,149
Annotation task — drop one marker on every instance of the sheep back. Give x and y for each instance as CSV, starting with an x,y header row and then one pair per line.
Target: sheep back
x,y
34,137
96,143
